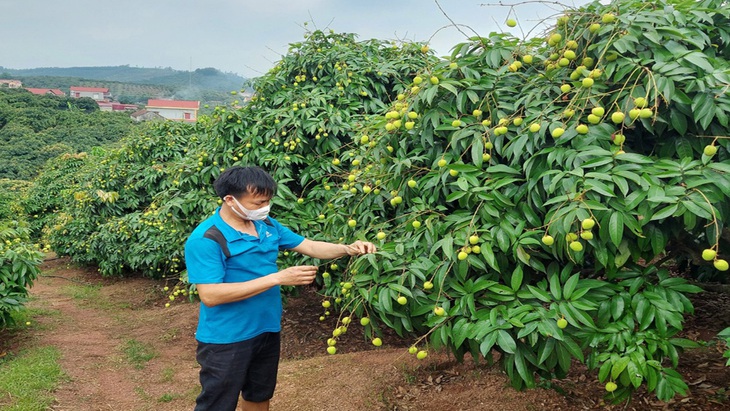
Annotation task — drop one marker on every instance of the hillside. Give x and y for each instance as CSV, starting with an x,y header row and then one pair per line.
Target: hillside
x,y
34,129
135,84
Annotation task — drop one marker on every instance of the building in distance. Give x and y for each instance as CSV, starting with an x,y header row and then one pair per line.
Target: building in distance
x,y
11,83
44,91
95,93
178,110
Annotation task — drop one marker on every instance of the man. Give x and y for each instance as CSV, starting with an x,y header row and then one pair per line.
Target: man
x,y
231,258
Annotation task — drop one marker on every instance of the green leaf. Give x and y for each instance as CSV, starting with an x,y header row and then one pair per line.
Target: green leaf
x,y
570,285
546,350
619,366
634,158
684,343
539,294
523,370
503,240
555,288
604,371
678,121
506,342
634,375
616,228
663,390
696,209
489,340
599,187
400,289
703,107
723,167
516,280
617,307
700,60
460,331
665,212
573,348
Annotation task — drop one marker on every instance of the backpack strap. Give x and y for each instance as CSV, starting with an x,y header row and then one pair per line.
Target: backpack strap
x,y
216,235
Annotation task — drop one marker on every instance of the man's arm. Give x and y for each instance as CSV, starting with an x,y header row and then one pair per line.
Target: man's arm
x,y
222,293
327,251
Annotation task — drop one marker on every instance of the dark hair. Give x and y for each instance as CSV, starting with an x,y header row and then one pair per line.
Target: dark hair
x,y
238,181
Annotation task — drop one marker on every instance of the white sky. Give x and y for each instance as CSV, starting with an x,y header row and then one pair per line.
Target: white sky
x,y
241,36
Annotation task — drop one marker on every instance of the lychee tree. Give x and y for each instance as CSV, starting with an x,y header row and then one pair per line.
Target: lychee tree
x,y
535,190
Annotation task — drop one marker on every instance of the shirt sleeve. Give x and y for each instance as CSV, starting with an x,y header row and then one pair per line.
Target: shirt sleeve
x,y
287,238
205,261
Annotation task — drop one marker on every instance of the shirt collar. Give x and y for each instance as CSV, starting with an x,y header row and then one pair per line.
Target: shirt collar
x,y
231,234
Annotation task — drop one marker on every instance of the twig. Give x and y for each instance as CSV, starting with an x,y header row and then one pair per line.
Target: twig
x,y
453,23
501,4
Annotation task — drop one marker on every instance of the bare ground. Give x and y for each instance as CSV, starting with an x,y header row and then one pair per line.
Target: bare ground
x,y
94,321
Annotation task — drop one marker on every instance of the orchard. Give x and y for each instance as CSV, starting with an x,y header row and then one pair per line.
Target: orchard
x,y
527,196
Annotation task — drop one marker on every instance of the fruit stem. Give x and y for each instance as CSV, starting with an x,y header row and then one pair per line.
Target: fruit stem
x,y
714,219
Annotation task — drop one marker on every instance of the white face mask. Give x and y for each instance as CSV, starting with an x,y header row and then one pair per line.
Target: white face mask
x,y
253,215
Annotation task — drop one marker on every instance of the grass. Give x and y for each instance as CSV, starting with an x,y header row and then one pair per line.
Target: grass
x,y
170,335
89,295
138,353
83,291
27,381
168,373
167,397
29,313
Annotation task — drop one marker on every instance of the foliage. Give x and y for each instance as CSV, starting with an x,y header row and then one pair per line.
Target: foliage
x,y
725,336
108,216
49,191
133,206
500,186
19,261
34,129
10,192
480,168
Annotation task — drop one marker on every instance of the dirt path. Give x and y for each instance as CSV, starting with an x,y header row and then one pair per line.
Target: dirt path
x,y
123,350
104,326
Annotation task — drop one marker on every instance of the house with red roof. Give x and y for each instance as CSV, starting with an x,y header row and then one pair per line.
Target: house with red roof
x,y
116,106
179,110
44,91
11,83
96,93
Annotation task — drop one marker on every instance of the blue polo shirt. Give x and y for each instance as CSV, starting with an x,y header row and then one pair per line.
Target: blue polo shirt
x,y
250,258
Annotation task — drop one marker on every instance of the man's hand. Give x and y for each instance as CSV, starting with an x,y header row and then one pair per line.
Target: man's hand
x,y
360,247
297,275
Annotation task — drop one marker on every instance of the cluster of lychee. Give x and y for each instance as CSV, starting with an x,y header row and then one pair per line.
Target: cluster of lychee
x,y
573,238
377,341
345,321
472,247
710,254
177,291
400,112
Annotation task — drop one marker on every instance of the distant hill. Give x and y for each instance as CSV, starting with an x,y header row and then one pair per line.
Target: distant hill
x,y
135,84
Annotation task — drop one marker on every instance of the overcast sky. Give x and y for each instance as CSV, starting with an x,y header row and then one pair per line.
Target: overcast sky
x,y
241,36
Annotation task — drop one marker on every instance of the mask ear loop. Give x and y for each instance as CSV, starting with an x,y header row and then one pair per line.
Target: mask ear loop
x,y
238,213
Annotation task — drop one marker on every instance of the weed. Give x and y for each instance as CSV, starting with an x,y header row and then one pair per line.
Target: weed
x,y
167,374
138,353
166,397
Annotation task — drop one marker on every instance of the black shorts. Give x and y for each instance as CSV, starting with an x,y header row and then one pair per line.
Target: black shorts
x,y
246,368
